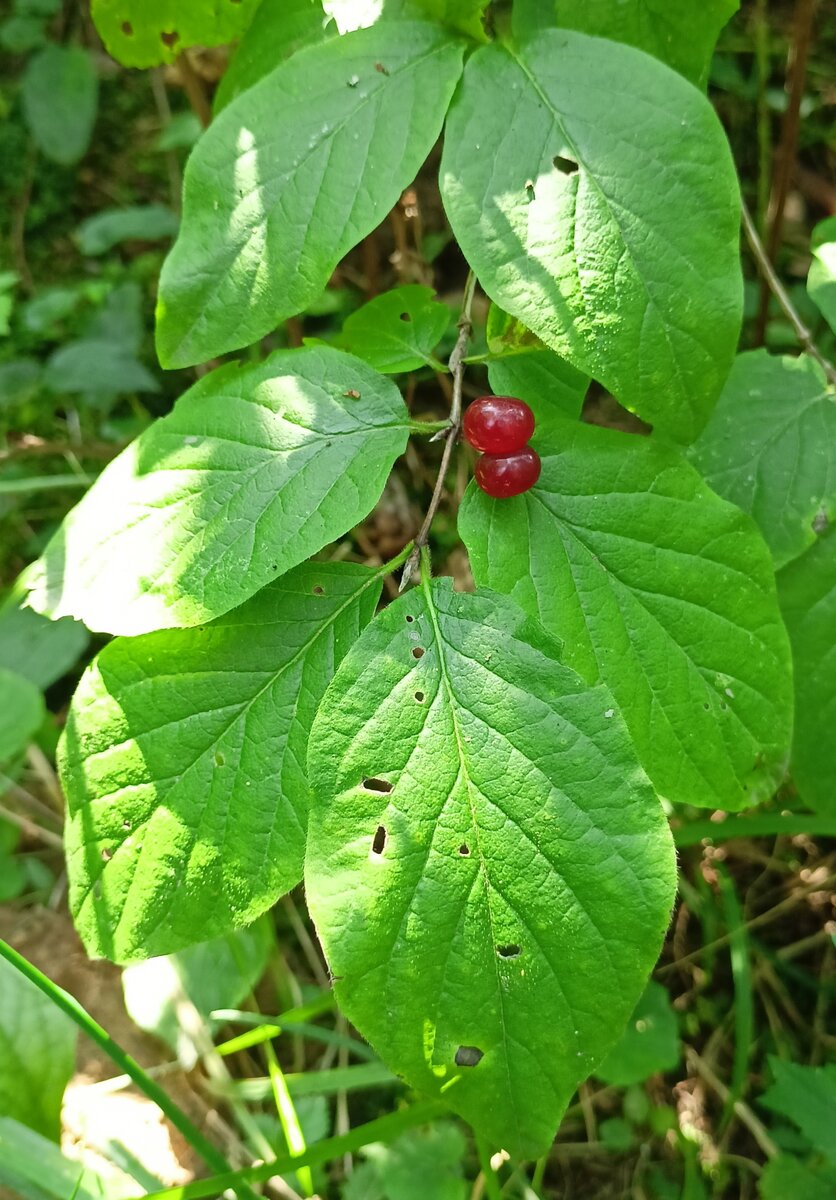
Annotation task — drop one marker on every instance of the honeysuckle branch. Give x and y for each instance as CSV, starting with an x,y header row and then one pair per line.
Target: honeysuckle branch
x,y
780,293
451,430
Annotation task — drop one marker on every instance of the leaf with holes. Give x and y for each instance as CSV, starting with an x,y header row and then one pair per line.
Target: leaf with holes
x,y
770,448
488,869
292,175
143,33
37,1054
278,29
599,205
821,281
807,591
660,589
257,468
60,93
397,331
183,764
681,35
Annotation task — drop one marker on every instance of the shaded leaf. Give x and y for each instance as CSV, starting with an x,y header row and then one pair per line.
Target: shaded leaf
x,y
60,95
661,590
257,468
489,871
807,591
97,365
807,1096
183,764
398,330
547,384
786,1177
141,222
596,197
21,713
292,175
650,1043
39,649
37,1054
770,448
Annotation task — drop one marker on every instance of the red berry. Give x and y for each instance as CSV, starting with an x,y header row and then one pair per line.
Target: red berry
x,y
498,424
504,475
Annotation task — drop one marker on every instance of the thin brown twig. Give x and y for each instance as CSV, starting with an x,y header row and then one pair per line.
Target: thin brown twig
x,y
782,296
451,433
18,221
31,829
785,165
194,89
741,1108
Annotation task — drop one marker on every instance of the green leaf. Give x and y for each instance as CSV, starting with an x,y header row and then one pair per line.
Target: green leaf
x,y
257,468
19,381
770,448
807,591
96,365
278,29
37,1054
661,590
21,713
60,94
397,331
807,1096
597,195
398,1171
681,35
34,1168
20,34
38,649
143,33
548,385
141,222
214,974
292,175
489,871
650,1043
786,1177
183,764
506,335
821,280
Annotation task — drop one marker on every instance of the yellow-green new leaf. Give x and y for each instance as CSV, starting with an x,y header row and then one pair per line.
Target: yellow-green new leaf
x,y
488,868
142,33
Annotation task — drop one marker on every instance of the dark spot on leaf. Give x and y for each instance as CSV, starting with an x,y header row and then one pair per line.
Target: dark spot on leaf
x,y
464,850
219,759
169,39
107,855
379,840
275,566
352,394
468,1056
419,696
319,591
405,316
409,620
566,166
529,190
377,785
417,652
127,29
706,706
723,705
509,951
380,67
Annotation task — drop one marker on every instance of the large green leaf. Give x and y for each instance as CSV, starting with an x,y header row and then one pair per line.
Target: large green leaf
x,y
294,173
143,33
598,203
683,35
807,591
40,650
60,94
183,764
257,468
278,29
37,1054
770,448
21,713
660,589
821,281
219,973
397,331
488,868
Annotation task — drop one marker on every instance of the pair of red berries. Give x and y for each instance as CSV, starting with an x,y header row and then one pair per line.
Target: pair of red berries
x,y
499,427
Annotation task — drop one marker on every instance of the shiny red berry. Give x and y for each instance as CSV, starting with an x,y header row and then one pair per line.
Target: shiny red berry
x,y
504,475
498,424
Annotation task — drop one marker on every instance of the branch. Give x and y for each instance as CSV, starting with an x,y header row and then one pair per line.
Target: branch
x,y
782,296
453,429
